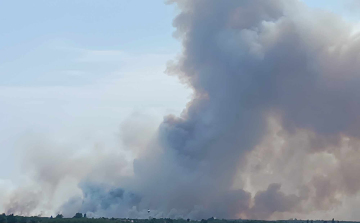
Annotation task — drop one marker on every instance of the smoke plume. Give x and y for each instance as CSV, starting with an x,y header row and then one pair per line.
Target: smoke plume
x,y
272,130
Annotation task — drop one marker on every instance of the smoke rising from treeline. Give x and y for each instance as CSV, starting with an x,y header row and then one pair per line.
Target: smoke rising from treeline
x,y
272,130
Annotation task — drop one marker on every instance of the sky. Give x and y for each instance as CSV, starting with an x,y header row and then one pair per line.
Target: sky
x,y
78,68
73,72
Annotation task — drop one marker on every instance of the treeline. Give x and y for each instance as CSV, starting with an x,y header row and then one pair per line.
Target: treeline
x,y
82,218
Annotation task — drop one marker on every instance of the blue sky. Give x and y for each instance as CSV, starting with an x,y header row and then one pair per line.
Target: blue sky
x,y
41,36
74,70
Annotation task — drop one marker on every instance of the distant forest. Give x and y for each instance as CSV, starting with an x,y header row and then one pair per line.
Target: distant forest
x,y
80,218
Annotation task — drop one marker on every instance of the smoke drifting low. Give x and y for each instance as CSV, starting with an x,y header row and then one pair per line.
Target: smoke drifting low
x,y
272,130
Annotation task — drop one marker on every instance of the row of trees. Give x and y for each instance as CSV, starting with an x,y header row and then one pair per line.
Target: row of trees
x,y
35,219
77,215
81,218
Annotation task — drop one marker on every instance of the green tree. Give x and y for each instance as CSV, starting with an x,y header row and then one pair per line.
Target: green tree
x,y
78,215
23,219
3,218
12,219
59,216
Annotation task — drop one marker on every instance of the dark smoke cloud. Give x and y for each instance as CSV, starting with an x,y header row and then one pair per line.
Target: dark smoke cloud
x,y
272,130
99,200
273,200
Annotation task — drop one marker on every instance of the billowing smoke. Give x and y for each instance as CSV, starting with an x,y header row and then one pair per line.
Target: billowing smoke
x,y
272,130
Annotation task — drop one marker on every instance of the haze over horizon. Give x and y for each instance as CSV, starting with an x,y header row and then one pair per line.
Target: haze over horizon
x,y
193,109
